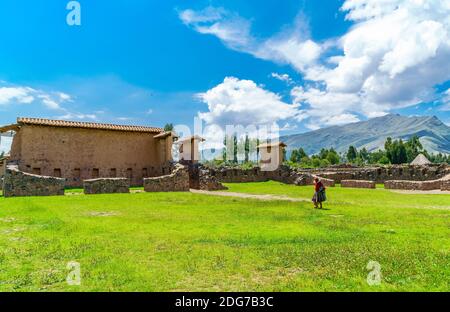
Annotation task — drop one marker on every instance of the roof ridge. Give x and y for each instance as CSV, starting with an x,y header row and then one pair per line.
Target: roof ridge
x,y
84,124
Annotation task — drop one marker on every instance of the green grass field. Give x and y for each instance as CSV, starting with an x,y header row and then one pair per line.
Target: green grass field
x,y
193,242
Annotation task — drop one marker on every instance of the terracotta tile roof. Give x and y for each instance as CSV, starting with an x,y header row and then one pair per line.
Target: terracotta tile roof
x,y
86,125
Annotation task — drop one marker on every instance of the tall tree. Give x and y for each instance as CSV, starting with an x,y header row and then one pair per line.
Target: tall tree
x,y
224,151
247,148
364,154
235,148
352,153
257,149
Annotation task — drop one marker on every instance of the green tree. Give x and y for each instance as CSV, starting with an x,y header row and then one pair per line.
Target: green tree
x,y
235,149
333,157
364,155
224,151
413,148
168,127
257,149
396,152
294,157
247,148
352,153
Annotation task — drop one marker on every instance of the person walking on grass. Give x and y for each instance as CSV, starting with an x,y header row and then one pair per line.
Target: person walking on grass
x,y
319,193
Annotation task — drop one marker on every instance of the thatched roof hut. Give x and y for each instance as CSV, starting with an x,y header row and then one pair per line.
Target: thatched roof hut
x,y
420,160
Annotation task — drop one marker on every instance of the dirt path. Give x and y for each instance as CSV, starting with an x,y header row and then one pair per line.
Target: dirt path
x,y
251,196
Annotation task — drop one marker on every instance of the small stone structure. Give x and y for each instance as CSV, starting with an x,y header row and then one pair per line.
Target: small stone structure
x,y
413,185
18,183
177,181
106,186
358,184
439,184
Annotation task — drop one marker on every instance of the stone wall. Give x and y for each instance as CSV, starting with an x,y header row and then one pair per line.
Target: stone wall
x,y
207,182
438,184
413,185
18,183
445,185
106,186
177,181
358,184
284,174
381,174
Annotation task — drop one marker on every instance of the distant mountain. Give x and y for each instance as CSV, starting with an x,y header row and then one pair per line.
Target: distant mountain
x,y
371,134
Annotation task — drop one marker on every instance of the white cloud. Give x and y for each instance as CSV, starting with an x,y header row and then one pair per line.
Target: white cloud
x,y
393,56
230,28
23,95
282,77
80,116
243,102
289,47
13,94
446,101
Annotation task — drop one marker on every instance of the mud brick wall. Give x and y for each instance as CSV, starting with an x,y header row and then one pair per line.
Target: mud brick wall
x,y
177,181
106,186
18,183
358,184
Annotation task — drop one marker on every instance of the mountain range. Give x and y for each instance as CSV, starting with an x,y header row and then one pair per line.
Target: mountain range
x,y
371,134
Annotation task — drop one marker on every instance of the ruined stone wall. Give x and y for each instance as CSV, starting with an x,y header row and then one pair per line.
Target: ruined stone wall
x,y
358,184
413,185
18,183
445,185
207,182
383,173
106,186
80,154
283,174
438,184
177,181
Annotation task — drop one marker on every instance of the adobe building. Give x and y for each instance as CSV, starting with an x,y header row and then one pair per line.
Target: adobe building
x,y
189,149
271,155
79,151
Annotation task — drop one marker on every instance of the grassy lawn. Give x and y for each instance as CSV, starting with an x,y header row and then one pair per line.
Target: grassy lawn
x,y
193,242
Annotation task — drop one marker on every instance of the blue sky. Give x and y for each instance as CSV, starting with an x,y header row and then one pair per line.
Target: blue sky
x,y
303,64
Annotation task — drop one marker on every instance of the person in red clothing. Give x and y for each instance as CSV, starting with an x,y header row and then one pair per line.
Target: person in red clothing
x,y
319,193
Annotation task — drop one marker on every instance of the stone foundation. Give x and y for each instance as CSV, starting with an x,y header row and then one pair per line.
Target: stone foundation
x,y
358,184
18,183
106,186
177,181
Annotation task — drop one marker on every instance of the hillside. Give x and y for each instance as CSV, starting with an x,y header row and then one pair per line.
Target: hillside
x,y
372,133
